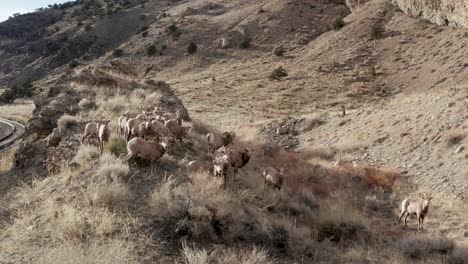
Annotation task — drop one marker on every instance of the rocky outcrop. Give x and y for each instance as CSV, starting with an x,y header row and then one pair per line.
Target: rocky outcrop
x,y
441,12
49,109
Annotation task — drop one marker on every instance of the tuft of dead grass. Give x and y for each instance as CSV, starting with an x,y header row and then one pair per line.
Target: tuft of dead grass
x,y
86,154
111,195
67,122
69,224
421,246
168,199
103,252
453,138
7,158
254,255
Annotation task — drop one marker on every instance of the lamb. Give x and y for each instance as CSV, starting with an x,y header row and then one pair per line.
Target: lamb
x,y
273,178
104,135
216,141
91,130
148,150
418,206
177,131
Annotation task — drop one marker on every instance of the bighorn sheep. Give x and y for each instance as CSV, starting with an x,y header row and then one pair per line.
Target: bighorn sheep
x,y
104,135
216,141
133,125
273,178
172,116
221,163
418,206
91,130
156,127
148,150
54,138
175,129
122,122
239,158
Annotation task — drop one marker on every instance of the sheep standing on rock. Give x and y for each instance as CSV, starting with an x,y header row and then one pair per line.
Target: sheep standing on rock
x,y
104,135
91,130
216,141
148,150
418,206
273,178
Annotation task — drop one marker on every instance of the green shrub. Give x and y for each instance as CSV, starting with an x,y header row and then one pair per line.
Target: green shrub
x,y
23,90
278,73
245,43
118,53
192,48
8,96
117,146
151,50
73,64
377,31
337,23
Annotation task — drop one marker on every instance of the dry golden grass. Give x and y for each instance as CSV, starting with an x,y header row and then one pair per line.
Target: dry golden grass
x,y
67,122
167,200
7,158
103,252
229,256
86,154
112,195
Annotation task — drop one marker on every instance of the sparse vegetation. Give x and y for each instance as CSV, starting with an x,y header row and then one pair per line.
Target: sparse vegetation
x,y
337,23
67,122
454,138
117,146
73,64
87,105
112,195
151,50
278,73
118,53
86,154
377,31
245,43
192,48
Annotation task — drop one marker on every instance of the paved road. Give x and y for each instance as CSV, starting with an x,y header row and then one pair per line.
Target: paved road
x,y
11,131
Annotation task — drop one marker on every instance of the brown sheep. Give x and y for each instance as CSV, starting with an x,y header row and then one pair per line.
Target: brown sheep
x,y
133,125
177,131
239,158
216,141
418,206
148,150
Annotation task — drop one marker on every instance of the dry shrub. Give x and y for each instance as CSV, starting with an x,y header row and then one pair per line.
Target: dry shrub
x,y
102,252
112,195
422,246
151,100
113,171
7,158
168,200
86,154
86,104
374,176
454,138
69,224
230,256
67,122
458,256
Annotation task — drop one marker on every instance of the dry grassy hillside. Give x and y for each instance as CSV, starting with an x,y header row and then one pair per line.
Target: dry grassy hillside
x,y
363,108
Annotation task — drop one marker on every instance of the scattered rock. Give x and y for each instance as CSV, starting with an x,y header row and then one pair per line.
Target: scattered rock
x,y
451,104
459,149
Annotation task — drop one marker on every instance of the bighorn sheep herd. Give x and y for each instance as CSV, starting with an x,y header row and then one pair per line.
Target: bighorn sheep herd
x,y
150,135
